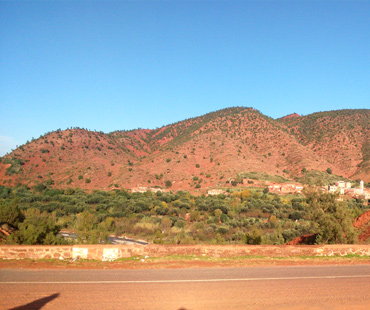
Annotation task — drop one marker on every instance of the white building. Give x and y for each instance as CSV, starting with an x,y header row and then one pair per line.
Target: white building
x,y
343,184
335,189
214,192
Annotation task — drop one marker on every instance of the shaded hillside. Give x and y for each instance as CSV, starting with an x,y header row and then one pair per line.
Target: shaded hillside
x,y
195,154
341,137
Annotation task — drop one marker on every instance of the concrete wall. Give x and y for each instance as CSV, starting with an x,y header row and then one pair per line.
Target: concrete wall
x,y
112,252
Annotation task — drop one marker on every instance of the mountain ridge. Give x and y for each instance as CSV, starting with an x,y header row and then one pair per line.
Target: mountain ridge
x,y
213,148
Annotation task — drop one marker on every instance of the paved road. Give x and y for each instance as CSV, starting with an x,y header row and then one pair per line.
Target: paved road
x,y
307,287
112,239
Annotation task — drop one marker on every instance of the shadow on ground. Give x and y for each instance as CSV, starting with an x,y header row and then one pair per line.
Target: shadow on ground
x,y
37,304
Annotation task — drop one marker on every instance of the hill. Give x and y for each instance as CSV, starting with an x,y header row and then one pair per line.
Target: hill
x,y
341,137
196,153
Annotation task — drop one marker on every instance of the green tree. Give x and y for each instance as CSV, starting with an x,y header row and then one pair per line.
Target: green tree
x,y
168,183
85,224
254,236
332,220
194,216
10,213
158,238
37,228
101,233
218,213
166,224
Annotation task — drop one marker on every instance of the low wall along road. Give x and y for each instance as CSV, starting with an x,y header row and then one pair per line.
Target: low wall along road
x,y
113,252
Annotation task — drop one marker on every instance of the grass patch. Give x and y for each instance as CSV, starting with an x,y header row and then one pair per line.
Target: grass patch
x,y
262,176
184,261
315,177
185,258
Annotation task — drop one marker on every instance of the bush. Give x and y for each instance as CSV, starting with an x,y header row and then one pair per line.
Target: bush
x,y
15,166
331,218
50,182
37,228
254,236
10,213
223,230
40,187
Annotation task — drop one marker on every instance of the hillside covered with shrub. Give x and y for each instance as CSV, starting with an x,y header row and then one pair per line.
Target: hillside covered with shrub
x,y
196,154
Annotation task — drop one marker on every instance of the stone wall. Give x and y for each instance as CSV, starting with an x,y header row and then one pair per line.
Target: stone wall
x,y
113,252
96,252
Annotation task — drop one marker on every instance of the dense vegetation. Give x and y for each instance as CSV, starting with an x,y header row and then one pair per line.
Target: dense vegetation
x,y
320,125
252,217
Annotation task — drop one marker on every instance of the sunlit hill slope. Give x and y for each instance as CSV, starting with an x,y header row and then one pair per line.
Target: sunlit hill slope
x,y
197,153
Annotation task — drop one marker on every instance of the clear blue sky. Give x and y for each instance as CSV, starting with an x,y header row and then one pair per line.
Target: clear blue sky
x,y
118,65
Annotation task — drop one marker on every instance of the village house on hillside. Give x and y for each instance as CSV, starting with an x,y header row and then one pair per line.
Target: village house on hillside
x,y
143,189
365,196
334,188
285,188
344,188
139,189
343,184
215,192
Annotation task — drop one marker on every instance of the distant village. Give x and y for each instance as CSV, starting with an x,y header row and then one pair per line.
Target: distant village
x,y
340,187
345,188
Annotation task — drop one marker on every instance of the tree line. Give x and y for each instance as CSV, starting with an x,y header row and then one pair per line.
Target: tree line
x,y
242,217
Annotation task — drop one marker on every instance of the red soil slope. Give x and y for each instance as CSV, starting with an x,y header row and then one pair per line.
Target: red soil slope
x,y
215,147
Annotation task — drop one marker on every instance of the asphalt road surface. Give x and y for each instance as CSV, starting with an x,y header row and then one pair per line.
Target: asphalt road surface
x,y
304,287
112,239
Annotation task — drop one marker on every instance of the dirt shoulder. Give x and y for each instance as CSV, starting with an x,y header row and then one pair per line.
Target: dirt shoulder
x,y
183,262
